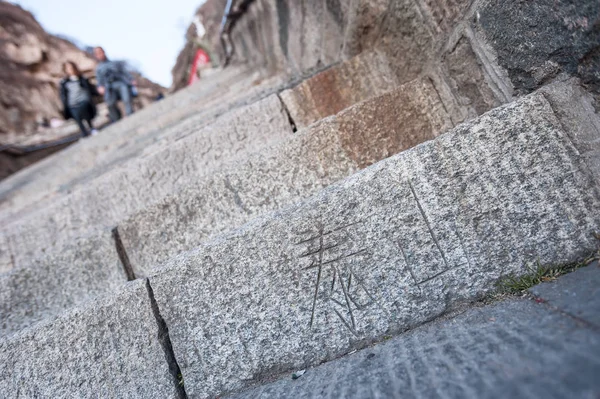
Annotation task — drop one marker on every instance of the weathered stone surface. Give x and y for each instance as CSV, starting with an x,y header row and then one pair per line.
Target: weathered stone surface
x,y
535,41
322,154
86,269
446,13
393,122
365,20
109,348
88,159
6,259
329,92
393,246
295,37
468,79
405,36
516,349
289,37
106,201
574,106
577,294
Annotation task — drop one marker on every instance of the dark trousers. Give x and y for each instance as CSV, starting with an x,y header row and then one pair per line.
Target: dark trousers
x,y
118,91
82,112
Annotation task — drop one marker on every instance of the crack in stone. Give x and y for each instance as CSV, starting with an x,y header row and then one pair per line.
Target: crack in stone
x,y
123,257
165,343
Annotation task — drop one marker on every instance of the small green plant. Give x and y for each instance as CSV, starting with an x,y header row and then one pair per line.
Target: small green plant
x,y
538,274
180,378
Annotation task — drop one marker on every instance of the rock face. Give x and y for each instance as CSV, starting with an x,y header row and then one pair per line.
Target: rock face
x,y
30,69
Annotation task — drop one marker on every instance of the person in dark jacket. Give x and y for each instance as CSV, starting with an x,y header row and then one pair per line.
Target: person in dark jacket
x,y
76,94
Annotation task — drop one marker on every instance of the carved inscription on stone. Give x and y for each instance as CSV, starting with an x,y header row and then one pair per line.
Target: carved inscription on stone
x,y
328,255
355,267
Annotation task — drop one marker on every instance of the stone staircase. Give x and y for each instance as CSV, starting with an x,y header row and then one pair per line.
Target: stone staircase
x,y
272,222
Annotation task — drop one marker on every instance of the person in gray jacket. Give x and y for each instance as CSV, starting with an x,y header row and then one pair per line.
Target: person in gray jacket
x,y
114,82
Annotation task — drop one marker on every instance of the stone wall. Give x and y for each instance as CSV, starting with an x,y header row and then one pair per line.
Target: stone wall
x,y
490,49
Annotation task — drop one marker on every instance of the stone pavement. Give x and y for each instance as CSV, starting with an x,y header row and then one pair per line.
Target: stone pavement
x,y
542,347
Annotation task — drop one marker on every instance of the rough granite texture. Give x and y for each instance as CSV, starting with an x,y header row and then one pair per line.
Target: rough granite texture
x,y
513,349
6,259
294,37
316,157
108,349
577,114
469,80
127,139
106,201
86,269
385,250
537,40
445,13
329,92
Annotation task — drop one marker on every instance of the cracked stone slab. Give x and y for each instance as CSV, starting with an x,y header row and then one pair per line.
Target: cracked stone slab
x,y
385,250
109,348
577,293
516,349
267,180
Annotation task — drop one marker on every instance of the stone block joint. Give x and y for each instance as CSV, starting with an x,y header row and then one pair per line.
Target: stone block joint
x,y
123,257
165,343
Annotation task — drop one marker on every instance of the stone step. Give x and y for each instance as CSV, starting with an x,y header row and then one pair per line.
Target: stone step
x,y
385,250
109,349
246,187
119,143
355,80
315,158
365,76
550,353
107,200
352,81
390,248
85,269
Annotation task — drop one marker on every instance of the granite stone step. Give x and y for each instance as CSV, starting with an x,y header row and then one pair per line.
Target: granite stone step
x,y
517,348
105,201
365,76
349,82
227,198
121,142
111,348
385,250
86,269
393,246
314,158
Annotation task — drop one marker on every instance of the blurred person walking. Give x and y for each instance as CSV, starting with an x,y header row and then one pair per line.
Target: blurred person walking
x,y
76,95
115,83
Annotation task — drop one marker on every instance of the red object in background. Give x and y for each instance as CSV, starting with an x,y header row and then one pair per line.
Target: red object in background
x,y
200,59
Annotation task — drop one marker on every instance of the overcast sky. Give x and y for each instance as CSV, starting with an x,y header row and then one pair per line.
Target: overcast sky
x,y
150,33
